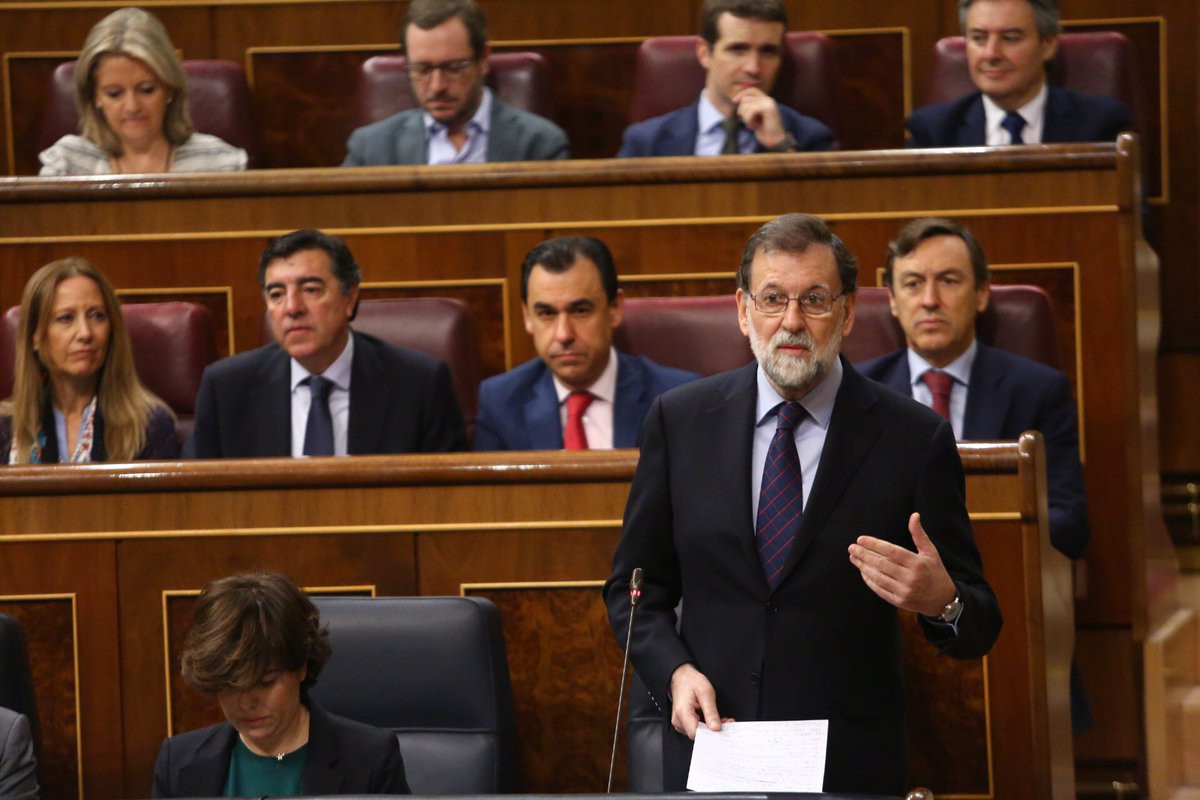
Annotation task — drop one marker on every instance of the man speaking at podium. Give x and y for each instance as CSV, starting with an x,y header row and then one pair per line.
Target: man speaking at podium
x,y
793,506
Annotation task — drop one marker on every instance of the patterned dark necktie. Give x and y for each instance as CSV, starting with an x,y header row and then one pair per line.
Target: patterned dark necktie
x,y
781,497
1014,123
318,433
939,383
732,126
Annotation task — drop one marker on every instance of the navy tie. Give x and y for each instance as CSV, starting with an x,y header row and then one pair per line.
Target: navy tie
x,y
1014,123
318,433
781,497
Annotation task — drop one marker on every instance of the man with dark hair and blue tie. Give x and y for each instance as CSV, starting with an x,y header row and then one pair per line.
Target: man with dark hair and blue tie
x,y
793,506
321,388
1008,45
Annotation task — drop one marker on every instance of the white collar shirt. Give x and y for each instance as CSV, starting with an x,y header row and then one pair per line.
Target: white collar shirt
x,y
339,400
1033,112
437,136
959,369
598,418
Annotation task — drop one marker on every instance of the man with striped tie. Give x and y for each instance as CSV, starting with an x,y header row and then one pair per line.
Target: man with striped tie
x,y
793,506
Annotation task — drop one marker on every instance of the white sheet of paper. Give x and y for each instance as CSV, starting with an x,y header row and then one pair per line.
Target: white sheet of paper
x,y
787,756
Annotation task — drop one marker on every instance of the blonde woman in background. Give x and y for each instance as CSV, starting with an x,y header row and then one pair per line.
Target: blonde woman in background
x,y
76,395
131,95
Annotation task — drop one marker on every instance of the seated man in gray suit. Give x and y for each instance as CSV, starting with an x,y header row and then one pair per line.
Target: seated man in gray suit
x,y
580,393
18,771
459,120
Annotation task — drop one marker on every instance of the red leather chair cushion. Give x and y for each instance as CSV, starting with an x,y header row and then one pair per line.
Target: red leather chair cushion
x,y
1019,319
218,98
172,344
520,79
700,334
668,76
440,326
1102,64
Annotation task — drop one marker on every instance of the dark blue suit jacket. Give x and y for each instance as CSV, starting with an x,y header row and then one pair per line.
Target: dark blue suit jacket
x,y
1070,117
674,134
401,401
519,409
1011,394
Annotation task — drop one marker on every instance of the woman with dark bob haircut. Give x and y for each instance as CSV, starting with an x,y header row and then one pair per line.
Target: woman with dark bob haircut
x,y
257,645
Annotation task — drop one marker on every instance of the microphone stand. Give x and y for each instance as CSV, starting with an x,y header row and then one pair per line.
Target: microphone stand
x,y
635,594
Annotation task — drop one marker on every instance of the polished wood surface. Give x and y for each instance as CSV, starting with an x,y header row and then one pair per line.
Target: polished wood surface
x,y
1065,217
522,528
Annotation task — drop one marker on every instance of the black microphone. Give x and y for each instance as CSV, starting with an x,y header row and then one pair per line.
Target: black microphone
x,y
635,595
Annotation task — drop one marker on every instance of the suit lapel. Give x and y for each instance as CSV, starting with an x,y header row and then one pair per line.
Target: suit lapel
x,y
973,132
735,444
852,434
542,418
987,398
897,376
208,769
679,132
320,773
629,405
499,145
367,405
271,404
1057,124
411,147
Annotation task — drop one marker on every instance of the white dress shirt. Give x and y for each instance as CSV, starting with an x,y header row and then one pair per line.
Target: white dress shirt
x,y
598,418
339,400
710,138
809,434
1033,112
437,136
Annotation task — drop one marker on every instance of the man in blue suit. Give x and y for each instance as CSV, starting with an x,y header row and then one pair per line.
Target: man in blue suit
x,y
580,393
937,278
741,48
1008,44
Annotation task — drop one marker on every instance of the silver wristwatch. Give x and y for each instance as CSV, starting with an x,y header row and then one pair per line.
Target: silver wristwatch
x,y
952,610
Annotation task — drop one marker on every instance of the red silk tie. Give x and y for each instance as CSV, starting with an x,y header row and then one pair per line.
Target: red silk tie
x,y
939,384
574,437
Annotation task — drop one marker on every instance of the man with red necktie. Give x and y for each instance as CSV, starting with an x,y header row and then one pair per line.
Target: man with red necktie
x,y
579,393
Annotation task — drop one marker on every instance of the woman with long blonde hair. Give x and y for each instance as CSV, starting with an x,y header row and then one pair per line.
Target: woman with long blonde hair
x,y
76,395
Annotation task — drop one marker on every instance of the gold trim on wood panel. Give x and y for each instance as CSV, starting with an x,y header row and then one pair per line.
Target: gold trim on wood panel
x,y
463,588
1076,289
70,597
1163,99
10,143
678,276
226,290
995,516
556,224
310,530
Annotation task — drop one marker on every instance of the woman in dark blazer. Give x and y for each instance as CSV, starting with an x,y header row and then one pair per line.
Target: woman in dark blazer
x,y
76,395
256,645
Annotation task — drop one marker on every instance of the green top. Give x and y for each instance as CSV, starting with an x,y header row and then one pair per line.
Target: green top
x,y
252,775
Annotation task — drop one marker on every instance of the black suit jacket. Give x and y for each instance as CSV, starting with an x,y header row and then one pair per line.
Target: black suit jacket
x,y
1070,117
344,757
1010,394
401,401
820,645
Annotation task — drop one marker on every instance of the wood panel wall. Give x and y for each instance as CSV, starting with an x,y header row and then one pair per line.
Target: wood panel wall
x,y
524,529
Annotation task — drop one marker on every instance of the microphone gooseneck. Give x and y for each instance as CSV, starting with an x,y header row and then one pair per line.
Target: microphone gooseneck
x,y
635,595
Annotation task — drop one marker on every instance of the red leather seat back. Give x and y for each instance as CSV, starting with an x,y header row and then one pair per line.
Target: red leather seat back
x,y
1100,63
668,76
520,79
1019,319
172,344
443,327
700,334
218,99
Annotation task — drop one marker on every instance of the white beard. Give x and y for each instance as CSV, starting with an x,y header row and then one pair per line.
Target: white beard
x,y
790,372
